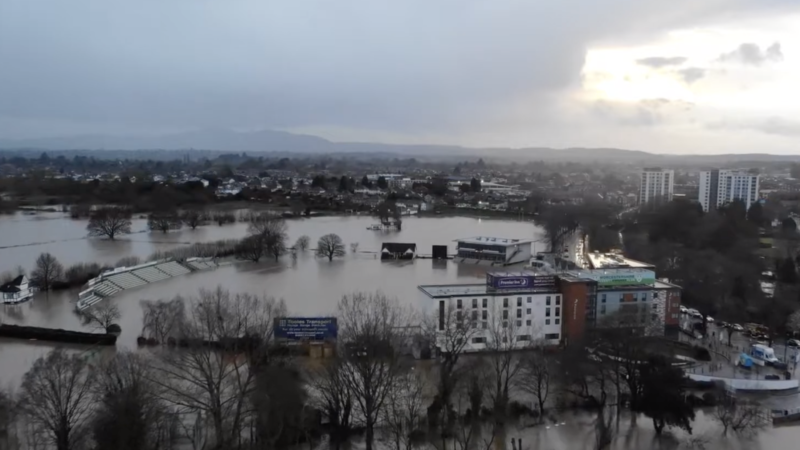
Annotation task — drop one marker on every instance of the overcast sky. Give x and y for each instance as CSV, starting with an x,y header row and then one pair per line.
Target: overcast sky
x,y
677,76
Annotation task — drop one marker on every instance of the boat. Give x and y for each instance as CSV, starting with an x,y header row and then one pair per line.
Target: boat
x,y
785,416
375,227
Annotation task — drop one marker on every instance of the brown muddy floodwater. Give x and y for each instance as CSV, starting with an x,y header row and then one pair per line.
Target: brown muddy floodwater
x,y
310,286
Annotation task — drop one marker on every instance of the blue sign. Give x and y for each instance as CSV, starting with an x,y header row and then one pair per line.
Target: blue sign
x,y
512,282
306,328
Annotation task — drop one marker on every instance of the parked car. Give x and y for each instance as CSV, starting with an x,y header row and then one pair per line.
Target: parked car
x,y
793,343
737,327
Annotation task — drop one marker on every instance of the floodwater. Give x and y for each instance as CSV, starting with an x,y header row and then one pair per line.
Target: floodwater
x,y
309,286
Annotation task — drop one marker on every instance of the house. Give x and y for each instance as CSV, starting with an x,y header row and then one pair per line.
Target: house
x,y
15,291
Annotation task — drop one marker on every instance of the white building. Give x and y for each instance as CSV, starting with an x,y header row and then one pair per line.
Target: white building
x,y
657,186
720,187
496,250
16,291
519,316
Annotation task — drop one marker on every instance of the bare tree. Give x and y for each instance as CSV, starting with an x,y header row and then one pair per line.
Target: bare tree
x,y
271,229
450,330
372,329
536,378
332,396
279,403
793,323
8,421
469,432
302,243
506,334
741,416
47,271
194,217
225,338
101,315
354,247
251,248
128,414
164,221
57,396
109,221
128,261
404,410
161,319
330,246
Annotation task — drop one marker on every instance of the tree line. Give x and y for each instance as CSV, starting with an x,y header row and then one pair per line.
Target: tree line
x,y
231,385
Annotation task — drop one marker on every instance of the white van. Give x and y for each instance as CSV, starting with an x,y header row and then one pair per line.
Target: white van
x,y
763,353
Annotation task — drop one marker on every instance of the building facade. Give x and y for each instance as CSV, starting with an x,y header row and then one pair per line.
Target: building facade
x,y
657,186
17,290
493,249
550,309
720,187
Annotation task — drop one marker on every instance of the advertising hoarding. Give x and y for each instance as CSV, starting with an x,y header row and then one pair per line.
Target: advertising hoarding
x,y
306,328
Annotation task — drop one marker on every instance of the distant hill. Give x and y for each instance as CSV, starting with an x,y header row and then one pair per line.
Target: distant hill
x,y
284,142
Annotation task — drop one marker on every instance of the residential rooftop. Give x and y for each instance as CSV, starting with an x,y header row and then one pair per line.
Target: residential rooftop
x,y
614,261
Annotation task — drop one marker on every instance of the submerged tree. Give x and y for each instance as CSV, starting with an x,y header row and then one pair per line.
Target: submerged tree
x,y
110,222
47,271
101,315
330,246
663,397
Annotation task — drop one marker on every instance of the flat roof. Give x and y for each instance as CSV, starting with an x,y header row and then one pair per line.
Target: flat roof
x,y
467,290
633,287
613,261
488,240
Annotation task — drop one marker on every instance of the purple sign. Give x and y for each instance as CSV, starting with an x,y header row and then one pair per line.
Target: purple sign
x,y
519,281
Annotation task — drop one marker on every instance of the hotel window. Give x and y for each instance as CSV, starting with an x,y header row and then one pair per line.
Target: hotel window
x,y
505,340
603,298
552,336
528,322
528,311
547,300
474,315
505,303
603,309
558,311
558,300
519,301
484,315
441,315
485,302
505,314
458,316
547,321
458,303
478,340
547,312
524,337
519,323
558,321
505,324
474,302
485,325
519,313
529,299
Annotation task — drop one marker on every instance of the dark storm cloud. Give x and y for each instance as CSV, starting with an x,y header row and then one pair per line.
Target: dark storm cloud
x,y
658,62
751,54
403,66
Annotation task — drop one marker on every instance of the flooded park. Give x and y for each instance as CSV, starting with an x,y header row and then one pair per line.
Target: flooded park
x,y
310,286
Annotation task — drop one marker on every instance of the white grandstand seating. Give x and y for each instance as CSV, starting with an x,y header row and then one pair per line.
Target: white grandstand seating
x,y
105,289
126,280
201,264
150,274
172,268
88,301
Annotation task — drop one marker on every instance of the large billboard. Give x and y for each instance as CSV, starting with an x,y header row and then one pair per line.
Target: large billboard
x,y
620,277
306,328
522,280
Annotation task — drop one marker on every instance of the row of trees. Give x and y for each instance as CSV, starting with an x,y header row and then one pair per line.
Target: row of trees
x,y
229,385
